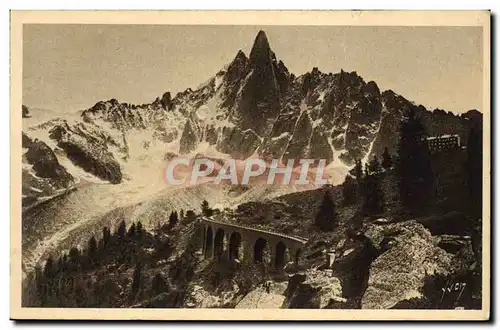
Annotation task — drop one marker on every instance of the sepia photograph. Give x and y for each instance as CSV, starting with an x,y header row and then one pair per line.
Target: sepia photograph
x,y
250,165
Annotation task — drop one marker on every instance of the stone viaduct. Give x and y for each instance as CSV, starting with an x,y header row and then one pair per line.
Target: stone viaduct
x,y
249,244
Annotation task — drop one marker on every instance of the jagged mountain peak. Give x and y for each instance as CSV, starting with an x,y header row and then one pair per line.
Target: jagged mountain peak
x,y
237,65
240,56
261,51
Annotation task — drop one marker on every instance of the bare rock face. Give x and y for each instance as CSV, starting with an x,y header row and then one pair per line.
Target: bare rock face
x,y
298,145
190,137
325,116
233,80
410,254
46,165
259,104
42,173
239,144
120,115
88,151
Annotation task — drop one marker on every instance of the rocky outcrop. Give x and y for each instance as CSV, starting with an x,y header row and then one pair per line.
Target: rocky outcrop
x,y
239,144
353,259
119,115
88,151
409,255
42,174
25,111
26,141
259,102
313,289
45,163
189,139
166,101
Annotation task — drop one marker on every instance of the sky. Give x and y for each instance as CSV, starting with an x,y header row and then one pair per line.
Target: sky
x,y
67,68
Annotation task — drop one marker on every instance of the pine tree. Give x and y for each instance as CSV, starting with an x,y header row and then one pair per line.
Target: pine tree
x,y
173,219
106,236
40,285
181,215
122,229
92,251
132,230
414,167
190,215
139,230
386,159
205,209
326,218
159,284
48,270
357,170
373,201
137,277
358,173
374,165
61,264
349,191
74,258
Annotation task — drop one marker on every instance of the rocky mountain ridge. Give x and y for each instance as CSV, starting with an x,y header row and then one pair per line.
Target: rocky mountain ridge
x,y
252,107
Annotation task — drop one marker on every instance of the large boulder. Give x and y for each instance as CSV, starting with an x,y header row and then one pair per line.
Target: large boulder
x,y
313,289
409,255
353,257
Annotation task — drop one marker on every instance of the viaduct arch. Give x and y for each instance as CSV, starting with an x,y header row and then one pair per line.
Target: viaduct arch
x,y
249,244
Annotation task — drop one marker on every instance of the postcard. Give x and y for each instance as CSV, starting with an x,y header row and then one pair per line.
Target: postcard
x,y
250,165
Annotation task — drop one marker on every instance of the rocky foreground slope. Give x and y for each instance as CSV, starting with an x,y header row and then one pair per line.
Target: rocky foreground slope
x,y
386,264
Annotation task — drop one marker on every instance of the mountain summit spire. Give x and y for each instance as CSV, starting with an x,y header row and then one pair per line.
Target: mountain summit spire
x,y
261,51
